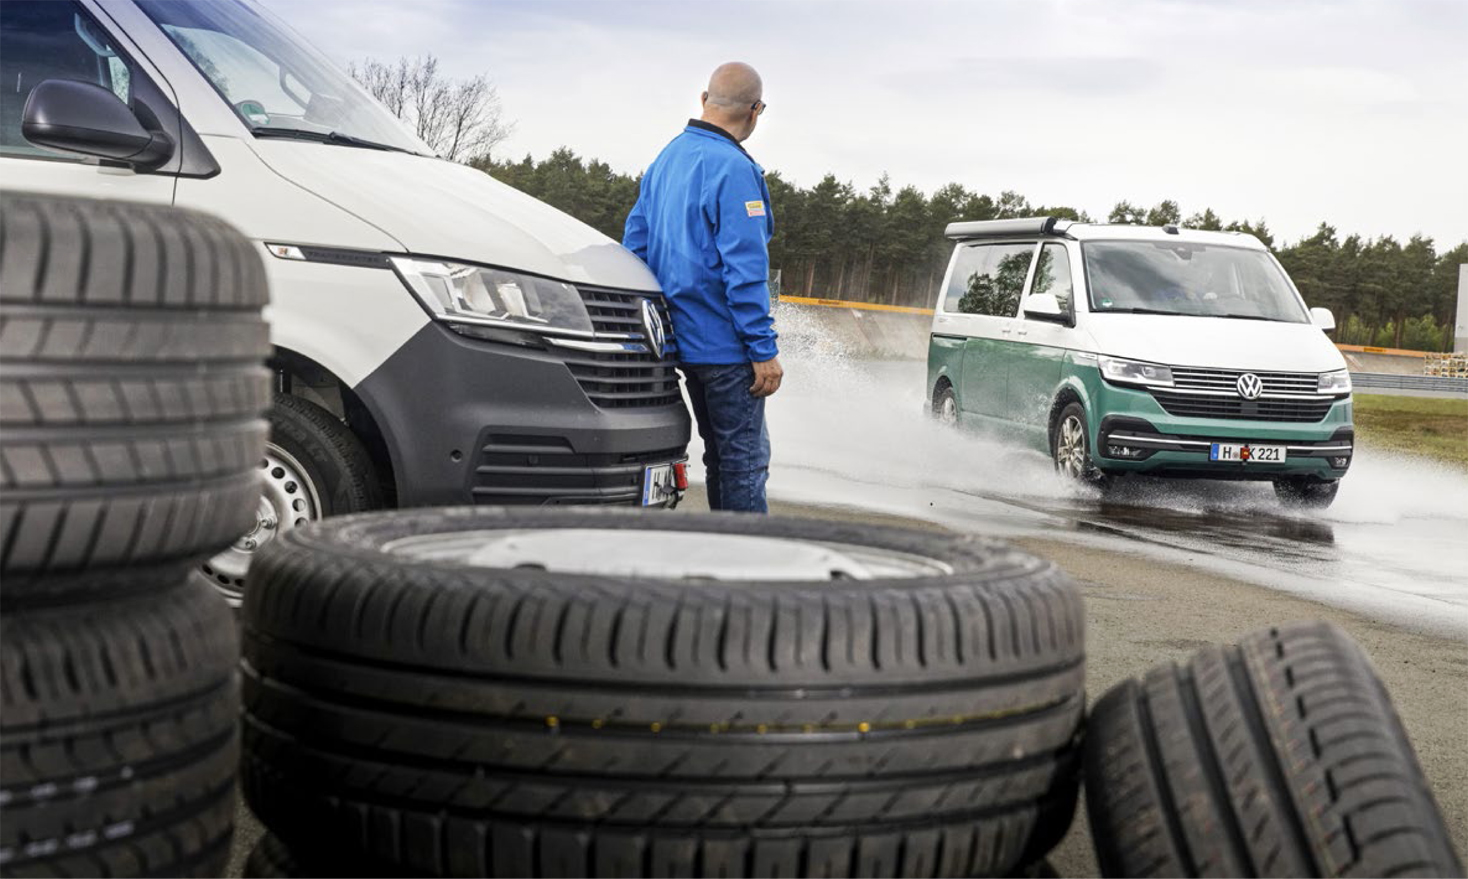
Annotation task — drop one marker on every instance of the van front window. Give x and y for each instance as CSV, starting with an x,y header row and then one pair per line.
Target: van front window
x,y
275,82
1188,278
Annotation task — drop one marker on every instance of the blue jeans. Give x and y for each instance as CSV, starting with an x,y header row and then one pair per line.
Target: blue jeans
x,y
736,444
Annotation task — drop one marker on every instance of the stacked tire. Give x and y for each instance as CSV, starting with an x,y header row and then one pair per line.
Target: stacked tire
x,y
132,390
548,693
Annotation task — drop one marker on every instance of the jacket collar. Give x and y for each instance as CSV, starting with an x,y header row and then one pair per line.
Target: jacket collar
x,y
711,128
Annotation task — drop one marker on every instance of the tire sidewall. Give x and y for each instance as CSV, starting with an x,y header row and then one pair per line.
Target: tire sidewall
x,y
338,489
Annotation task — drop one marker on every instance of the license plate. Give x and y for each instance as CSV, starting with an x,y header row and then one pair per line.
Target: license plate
x,y
1247,454
659,485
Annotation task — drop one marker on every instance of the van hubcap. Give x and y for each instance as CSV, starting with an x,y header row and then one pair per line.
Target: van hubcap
x,y
948,411
1070,448
288,500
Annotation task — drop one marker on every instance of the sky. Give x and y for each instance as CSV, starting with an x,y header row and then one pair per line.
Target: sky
x,y
1350,111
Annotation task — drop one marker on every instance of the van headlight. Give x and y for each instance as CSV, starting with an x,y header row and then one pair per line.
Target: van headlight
x,y
1338,382
1134,372
462,293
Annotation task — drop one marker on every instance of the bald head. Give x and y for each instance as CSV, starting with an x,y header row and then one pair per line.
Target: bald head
x,y
734,90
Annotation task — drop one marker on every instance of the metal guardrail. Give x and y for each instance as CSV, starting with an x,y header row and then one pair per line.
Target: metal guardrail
x,y
1431,383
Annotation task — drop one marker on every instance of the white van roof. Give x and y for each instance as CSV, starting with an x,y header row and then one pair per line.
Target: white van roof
x,y
1056,227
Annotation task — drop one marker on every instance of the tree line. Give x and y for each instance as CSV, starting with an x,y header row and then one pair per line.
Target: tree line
x,y
885,245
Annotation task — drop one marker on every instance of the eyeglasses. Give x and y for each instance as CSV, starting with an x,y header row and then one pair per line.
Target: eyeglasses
x,y
759,108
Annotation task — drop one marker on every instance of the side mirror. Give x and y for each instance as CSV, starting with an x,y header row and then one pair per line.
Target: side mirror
x,y
82,117
1322,318
1044,306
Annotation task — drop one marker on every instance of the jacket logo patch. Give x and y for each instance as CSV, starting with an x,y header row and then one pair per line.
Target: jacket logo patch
x,y
755,208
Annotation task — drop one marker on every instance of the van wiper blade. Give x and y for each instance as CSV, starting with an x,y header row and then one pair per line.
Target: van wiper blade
x,y
1246,317
335,137
1149,311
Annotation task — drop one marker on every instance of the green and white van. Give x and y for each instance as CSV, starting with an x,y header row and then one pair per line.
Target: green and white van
x,y
1132,349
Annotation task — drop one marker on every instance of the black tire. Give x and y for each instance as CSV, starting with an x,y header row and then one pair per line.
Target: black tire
x,y
314,467
132,354
272,859
118,742
1281,756
1082,470
459,720
1305,493
945,406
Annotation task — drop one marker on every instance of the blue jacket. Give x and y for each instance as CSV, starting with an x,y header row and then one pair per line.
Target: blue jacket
x,y
702,223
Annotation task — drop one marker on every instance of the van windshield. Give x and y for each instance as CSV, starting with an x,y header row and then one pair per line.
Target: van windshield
x,y
1187,278
275,82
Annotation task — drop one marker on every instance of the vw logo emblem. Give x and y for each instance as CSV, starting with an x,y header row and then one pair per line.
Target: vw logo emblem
x,y
652,327
1250,386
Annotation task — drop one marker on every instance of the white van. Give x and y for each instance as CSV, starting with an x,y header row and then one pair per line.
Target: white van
x,y
439,337
1129,349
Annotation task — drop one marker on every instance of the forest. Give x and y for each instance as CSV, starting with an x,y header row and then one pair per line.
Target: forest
x,y
885,244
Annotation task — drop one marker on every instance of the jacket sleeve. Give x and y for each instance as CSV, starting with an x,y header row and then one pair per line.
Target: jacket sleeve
x,y
634,234
738,207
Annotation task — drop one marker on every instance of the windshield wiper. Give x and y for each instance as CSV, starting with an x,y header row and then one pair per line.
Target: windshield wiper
x,y
1246,317
335,137
1148,311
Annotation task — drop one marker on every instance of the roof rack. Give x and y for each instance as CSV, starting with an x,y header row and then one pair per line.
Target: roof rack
x,y
1007,228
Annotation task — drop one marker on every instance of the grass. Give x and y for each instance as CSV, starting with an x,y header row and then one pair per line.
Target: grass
x,y
1426,426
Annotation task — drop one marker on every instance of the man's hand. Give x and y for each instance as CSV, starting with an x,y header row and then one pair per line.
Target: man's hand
x,y
767,377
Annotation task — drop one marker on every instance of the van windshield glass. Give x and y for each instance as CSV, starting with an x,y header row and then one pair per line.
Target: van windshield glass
x,y
1187,278
275,82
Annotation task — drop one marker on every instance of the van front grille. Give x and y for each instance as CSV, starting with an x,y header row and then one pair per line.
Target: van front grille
x,y
625,379
1195,379
1237,408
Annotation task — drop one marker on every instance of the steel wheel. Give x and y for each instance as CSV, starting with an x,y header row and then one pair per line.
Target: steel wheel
x,y
288,499
1070,447
672,555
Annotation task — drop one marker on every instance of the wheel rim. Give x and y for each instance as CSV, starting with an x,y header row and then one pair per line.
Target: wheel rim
x,y
288,499
666,555
948,411
1070,447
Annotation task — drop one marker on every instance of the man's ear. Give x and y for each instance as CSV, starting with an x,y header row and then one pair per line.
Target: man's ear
x,y
703,100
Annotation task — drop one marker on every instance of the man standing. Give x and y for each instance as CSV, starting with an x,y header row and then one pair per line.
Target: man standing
x,y
702,223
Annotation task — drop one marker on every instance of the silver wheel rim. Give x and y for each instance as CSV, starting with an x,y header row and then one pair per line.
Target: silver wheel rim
x,y
288,499
948,411
666,555
1070,447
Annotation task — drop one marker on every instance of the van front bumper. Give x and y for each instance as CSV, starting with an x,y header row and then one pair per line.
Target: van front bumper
x,y
468,421
1133,434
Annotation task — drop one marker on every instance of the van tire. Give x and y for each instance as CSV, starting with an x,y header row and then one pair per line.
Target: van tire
x,y
1082,470
450,719
1281,756
1306,493
118,742
316,462
945,406
336,461
132,389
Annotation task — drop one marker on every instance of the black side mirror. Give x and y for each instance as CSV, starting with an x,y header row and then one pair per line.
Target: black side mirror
x,y
82,117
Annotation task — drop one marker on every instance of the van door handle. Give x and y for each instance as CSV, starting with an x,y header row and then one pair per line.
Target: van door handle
x,y
1004,331
1022,332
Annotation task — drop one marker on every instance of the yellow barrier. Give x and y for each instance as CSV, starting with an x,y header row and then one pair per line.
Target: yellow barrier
x,y
864,306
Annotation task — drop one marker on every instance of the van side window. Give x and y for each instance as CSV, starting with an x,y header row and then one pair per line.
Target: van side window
x,y
50,39
988,279
1052,275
